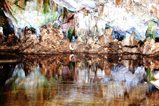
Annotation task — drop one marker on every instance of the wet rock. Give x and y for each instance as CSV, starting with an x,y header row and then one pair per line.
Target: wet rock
x,y
114,46
148,46
130,44
73,46
11,40
118,2
100,44
2,37
28,35
156,48
51,40
92,43
108,36
101,41
64,45
6,23
1,30
130,41
154,10
130,50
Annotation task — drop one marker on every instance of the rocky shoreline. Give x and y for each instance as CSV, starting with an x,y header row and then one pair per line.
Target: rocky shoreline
x,y
52,42
38,49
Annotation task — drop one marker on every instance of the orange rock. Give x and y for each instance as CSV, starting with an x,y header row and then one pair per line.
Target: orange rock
x,y
118,2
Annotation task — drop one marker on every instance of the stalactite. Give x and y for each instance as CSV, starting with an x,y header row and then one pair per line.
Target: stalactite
x,y
118,2
46,6
5,7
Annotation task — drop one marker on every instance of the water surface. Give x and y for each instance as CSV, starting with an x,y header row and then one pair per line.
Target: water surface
x,y
79,80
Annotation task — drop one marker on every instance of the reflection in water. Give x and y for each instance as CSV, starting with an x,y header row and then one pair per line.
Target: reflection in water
x,y
71,80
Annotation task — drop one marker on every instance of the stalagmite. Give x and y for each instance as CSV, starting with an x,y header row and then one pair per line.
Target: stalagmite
x,y
1,30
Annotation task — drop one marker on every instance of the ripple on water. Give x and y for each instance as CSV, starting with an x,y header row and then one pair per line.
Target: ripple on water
x,y
93,81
